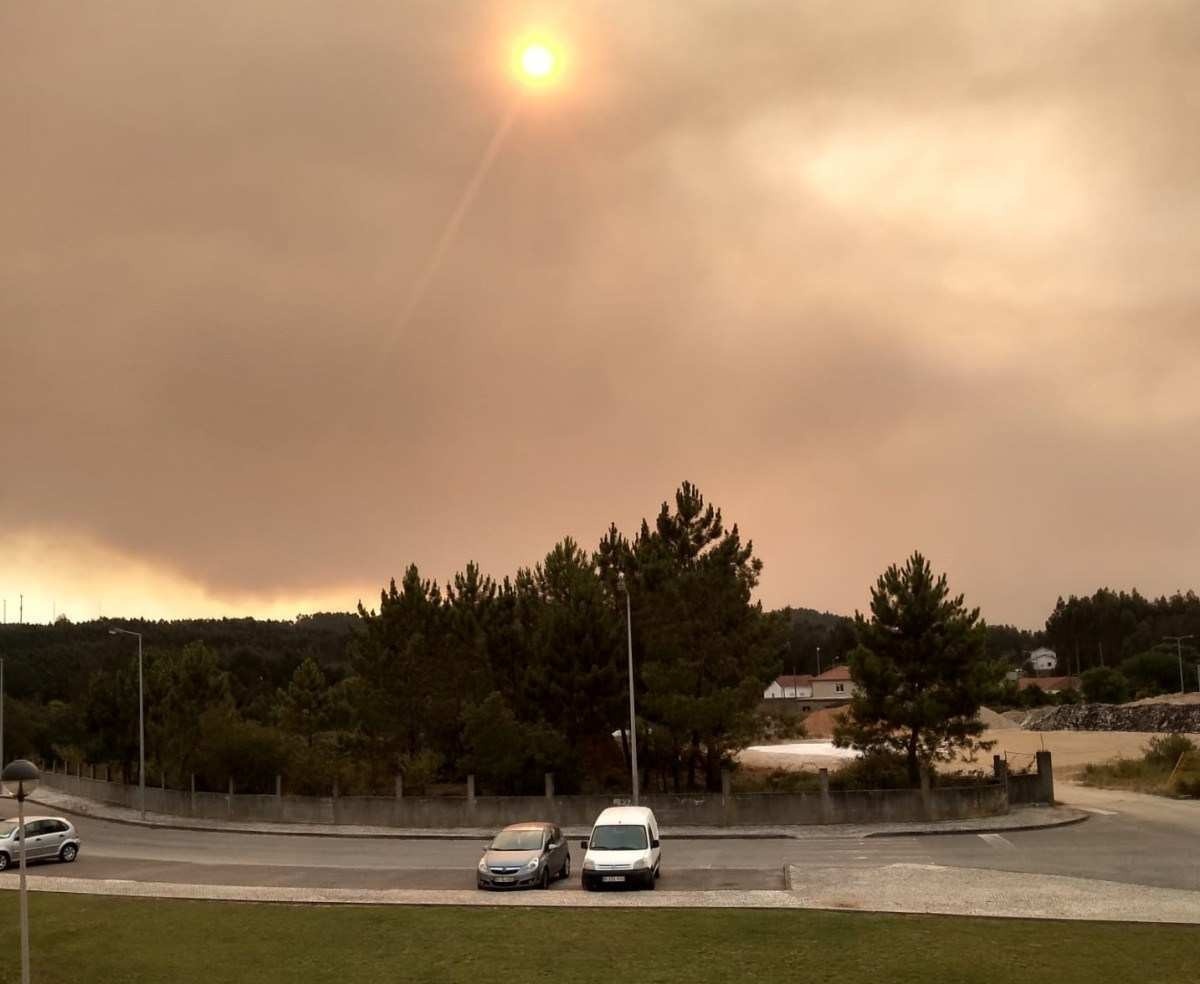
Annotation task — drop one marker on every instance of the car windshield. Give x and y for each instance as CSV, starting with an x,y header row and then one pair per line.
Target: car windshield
x,y
622,838
518,840
6,829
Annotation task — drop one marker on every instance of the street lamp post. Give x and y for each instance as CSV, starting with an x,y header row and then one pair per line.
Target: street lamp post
x,y
632,712
26,776
141,722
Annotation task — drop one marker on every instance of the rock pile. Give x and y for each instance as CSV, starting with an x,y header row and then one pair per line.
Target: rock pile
x,y
1115,717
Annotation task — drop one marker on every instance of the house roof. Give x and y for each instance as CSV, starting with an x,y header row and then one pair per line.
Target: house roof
x,y
835,673
797,680
1049,683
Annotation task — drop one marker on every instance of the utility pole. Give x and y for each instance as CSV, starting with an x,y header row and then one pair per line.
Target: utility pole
x,y
21,611
633,762
1178,640
818,660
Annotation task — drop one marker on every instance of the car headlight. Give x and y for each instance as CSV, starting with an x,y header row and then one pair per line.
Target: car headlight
x,y
532,865
483,865
589,864
638,864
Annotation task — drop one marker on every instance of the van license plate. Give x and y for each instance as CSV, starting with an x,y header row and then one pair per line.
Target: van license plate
x,y
613,878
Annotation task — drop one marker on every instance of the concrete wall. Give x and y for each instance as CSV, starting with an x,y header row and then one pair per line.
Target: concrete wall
x,y
490,812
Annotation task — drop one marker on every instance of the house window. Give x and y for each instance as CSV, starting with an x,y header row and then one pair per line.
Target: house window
x,y
840,688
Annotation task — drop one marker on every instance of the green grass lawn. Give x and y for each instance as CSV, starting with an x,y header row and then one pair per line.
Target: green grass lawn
x,y
83,939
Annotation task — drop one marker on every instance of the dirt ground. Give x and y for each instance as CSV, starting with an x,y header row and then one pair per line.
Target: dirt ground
x,y
1070,751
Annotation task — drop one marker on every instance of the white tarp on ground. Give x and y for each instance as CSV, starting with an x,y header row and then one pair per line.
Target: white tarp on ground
x,y
825,749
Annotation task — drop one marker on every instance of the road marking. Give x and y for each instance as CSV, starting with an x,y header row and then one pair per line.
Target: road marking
x,y
998,842
1103,813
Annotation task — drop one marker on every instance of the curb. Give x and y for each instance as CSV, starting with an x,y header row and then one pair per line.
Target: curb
x,y
1013,829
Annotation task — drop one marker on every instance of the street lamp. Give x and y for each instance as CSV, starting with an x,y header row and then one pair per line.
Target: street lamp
x,y
1178,640
26,776
141,722
632,713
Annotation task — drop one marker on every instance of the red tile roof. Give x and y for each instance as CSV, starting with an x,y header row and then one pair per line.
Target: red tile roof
x,y
1049,683
835,673
799,680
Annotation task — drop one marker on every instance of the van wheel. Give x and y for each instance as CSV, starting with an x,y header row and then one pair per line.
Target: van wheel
x,y
650,882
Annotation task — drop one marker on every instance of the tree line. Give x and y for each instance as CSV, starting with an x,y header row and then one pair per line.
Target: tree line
x,y
505,680
509,679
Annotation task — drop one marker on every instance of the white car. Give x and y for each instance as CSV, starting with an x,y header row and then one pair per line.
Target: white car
x,y
624,849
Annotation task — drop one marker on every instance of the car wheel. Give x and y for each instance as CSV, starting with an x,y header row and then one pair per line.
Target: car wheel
x,y
4,861
566,868
68,853
545,882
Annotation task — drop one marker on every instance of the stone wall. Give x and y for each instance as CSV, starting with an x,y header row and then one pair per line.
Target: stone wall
x,y
490,812
1115,717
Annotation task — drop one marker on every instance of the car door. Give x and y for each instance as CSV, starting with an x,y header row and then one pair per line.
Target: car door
x,y
35,847
55,835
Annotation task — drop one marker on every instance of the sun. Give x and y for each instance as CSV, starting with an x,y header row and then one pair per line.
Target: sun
x,y
537,61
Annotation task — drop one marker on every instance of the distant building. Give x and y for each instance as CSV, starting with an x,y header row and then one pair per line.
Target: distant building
x,y
1051,685
834,685
1043,660
789,687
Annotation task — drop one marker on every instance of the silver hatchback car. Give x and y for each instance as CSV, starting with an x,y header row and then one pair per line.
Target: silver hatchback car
x,y
50,838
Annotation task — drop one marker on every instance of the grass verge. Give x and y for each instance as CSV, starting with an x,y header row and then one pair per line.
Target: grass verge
x,y
86,939
1169,766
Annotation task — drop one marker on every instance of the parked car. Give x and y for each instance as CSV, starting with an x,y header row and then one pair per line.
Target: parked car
x,y
50,838
523,855
624,849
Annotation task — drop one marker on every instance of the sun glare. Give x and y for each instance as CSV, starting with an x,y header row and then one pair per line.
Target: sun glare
x,y
537,61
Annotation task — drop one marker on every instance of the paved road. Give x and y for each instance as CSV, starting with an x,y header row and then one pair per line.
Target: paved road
x,y
1131,839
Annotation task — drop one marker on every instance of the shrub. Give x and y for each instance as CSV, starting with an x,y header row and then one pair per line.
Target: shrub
x,y
877,770
1104,685
1165,750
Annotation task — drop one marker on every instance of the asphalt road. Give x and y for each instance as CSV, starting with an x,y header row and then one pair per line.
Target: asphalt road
x,y
1136,840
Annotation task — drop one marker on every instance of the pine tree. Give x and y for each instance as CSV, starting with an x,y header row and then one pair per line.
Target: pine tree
x,y
921,671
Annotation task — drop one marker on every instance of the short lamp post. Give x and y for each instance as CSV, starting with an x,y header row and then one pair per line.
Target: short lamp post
x,y
633,762
24,777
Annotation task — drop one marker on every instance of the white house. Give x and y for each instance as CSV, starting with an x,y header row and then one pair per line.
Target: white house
x,y
790,687
1043,660
834,684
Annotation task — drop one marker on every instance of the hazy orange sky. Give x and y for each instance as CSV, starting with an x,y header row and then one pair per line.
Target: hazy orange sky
x,y
875,276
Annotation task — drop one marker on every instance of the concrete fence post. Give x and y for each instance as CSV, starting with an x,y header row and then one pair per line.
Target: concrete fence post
x,y
229,798
927,795
192,798
471,792
1045,776
398,802
549,785
726,798
826,800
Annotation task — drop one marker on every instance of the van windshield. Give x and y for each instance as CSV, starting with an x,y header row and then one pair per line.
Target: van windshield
x,y
618,838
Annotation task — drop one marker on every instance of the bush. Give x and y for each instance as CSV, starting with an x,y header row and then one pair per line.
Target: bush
x,y
1165,750
1104,685
876,770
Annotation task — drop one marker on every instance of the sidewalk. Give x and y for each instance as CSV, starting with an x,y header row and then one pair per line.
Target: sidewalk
x,y
1023,818
895,888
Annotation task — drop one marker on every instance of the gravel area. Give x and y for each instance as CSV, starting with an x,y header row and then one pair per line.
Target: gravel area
x,y
927,888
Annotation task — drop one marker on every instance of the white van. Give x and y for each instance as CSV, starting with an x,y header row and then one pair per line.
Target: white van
x,y
623,849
